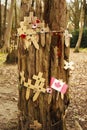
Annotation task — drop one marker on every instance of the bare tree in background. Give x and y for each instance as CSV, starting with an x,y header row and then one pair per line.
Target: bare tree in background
x,y
77,15
8,30
81,22
74,9
16,23
0,24
5,15
85,7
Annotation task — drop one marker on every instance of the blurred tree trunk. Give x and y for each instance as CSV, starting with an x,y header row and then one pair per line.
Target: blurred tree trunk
x,y
16,24
5,15
85,12
4,24
0,24
80,29
74,12
8,30
7,36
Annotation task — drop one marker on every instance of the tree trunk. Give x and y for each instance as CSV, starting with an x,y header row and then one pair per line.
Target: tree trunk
x,y
85,12
16,23
8,30
3,26
76,13
5,14
0,24
80,30
47,112
25,5
57,22
38,10
51,18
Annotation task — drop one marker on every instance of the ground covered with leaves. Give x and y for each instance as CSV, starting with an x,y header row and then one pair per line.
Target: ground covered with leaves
x,y
77,110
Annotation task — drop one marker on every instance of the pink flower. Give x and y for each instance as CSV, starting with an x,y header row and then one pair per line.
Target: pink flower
x,y
49,90
34,26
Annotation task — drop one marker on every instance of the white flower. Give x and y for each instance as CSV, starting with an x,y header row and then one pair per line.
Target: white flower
x,y
68,65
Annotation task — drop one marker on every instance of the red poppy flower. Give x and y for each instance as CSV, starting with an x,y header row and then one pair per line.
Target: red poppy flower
x,y
37,21
23,36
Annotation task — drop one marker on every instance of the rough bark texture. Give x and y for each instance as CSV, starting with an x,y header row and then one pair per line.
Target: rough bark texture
x,y
48,109
55,13
38,10
25,8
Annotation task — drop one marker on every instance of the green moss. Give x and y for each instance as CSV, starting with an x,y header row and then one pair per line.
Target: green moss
x,y
2,57
83,50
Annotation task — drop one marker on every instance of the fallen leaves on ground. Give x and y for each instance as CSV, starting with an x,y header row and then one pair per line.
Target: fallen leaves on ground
x,y
77,110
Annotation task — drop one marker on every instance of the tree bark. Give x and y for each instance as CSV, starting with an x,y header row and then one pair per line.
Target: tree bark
x,y
38,10
24,9
52,18
48,109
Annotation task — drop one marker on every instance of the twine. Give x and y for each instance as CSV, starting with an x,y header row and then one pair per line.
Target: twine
x,y
41,33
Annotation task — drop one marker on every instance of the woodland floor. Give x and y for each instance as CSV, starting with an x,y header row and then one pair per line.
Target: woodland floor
x,y
77,110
